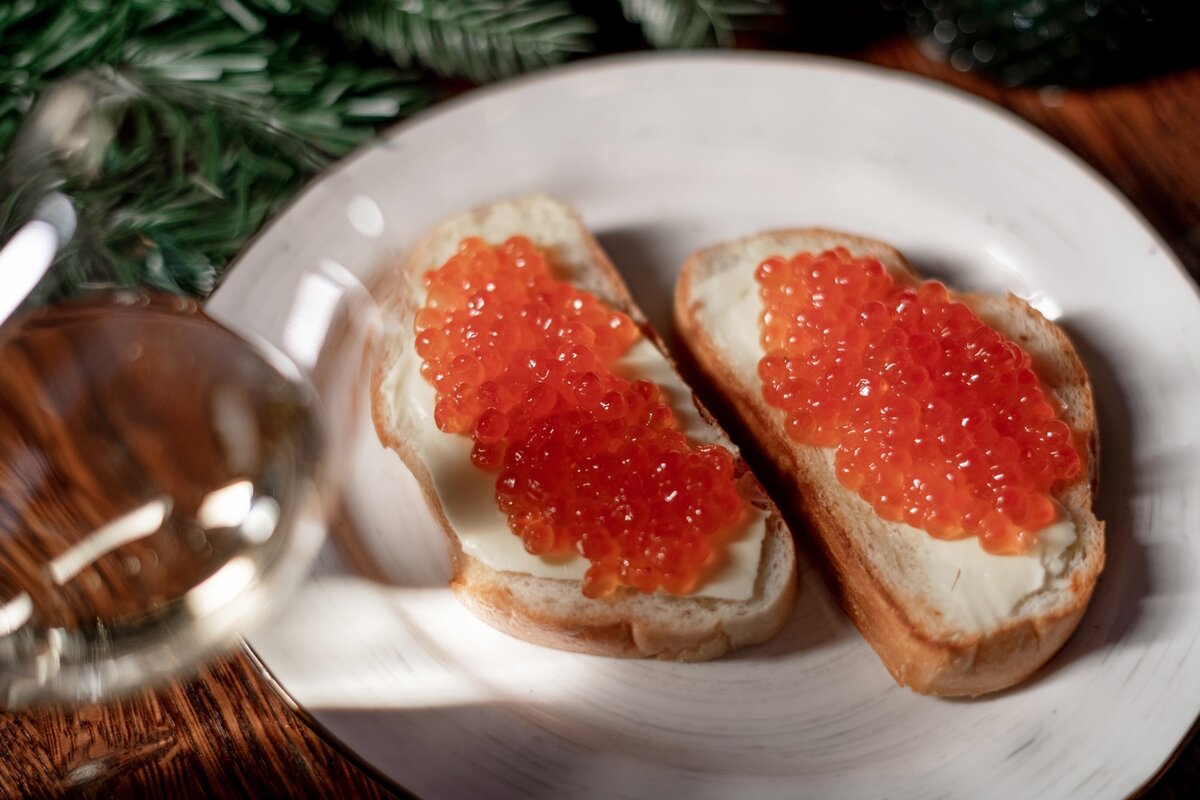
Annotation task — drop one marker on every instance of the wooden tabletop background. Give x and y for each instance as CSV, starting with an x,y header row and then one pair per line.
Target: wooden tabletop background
x,y
227,733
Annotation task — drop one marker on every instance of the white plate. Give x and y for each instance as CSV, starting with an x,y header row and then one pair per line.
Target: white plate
x,y
663,155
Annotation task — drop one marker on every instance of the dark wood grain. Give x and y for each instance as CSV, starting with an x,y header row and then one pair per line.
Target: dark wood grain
x,y
225,733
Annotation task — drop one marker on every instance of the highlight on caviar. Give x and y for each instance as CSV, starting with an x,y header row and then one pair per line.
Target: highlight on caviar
x,y
938,421
585,460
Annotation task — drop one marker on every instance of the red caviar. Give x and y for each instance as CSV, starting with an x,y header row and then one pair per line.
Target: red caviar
x,y
587,460
938,420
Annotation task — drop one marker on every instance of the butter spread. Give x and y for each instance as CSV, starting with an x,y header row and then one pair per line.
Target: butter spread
x,y
973,588
467,493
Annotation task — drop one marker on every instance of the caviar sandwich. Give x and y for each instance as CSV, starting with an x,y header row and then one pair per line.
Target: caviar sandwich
x,y
589,502
941,447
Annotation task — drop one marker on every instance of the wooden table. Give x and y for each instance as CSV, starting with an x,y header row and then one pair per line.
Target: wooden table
x,y
226,733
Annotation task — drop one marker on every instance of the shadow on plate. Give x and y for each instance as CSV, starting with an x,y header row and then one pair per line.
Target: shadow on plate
x,y
636,253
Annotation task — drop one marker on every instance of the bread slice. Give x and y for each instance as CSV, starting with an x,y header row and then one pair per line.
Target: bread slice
x,y
883,572
553,611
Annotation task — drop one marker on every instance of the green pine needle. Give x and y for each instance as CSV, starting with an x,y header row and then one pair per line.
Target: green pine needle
x,y
217,124
476,39
276,90
220,110
693,23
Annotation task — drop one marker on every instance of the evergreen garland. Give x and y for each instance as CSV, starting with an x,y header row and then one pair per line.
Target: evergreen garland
x,y
219,110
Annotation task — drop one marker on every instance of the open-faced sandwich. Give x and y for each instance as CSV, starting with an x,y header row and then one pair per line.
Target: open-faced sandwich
x,y
589,502
942,447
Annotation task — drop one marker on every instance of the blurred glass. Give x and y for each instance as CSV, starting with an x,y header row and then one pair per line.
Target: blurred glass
x,y
164,482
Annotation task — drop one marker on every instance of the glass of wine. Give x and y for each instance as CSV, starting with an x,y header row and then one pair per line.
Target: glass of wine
x,y
164,481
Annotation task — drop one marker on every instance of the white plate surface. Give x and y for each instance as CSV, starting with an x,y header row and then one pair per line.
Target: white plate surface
x,y
663,155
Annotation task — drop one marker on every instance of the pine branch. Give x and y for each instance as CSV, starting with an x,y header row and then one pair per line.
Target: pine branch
x,y
277,90
476,39
221,109
693,23
216,126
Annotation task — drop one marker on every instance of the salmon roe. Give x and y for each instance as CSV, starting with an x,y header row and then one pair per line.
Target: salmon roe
x,y
938,420
587,460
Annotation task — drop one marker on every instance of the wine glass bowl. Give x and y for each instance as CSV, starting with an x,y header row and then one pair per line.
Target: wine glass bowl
x,y
162,481
165,480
